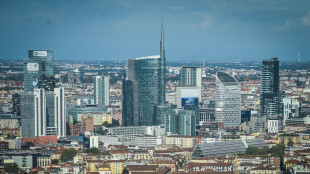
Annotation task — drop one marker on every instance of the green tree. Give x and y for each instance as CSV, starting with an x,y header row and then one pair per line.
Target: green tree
x,y
68,154
100,131
115,123
290,143
93,150
55,161
125,170
252,151
11,168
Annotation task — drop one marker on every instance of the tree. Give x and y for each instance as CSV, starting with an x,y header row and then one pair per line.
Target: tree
x,y
11,168
68,154
290,143
106,152
252,151
100,131
125,170
115,123
93,150
55,161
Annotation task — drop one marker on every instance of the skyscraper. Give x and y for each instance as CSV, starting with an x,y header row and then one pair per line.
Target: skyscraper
x,y
187,122
227,100
191,76
42,111
33,113
39,63
60,111
145,81
270,94
102,90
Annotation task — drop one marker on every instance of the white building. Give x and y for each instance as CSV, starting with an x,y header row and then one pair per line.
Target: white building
x,y
290,109
93,141
191,76
40,112
273,126
60,111
227,100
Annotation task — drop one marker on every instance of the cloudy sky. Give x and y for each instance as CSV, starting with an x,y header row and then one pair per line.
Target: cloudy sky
x,y
224,30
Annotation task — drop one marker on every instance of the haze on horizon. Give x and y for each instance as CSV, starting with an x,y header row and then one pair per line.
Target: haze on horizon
x,y
214,30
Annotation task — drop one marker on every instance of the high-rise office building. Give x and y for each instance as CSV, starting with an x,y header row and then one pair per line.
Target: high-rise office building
x,y
33,113
270,93
191,76
145,81
227,100
43,112
60,111
102,90
39,62
187,122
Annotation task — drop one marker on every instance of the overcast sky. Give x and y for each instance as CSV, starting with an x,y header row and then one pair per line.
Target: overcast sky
x,y
228,30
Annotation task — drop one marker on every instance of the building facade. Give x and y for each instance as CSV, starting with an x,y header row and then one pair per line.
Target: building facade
x,y
102,90
227,100
191,76
270,93
145,81
39,62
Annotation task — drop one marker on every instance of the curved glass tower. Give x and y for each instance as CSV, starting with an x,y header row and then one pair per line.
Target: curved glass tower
x,y
227,100
144,88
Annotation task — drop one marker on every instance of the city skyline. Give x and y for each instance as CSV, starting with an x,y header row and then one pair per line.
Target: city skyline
x,y
119,30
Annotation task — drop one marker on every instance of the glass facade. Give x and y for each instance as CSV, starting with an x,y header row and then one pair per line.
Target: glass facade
x,y
146,84
144,88
39,63
270,93
227,100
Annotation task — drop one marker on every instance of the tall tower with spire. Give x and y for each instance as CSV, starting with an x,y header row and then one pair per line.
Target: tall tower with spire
x,y
144,88
162,82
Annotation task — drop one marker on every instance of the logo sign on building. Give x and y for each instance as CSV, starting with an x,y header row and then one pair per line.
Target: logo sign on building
x,y
39,53
190,101
33,67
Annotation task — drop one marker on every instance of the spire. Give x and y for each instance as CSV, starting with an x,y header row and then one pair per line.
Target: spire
x,y
162,49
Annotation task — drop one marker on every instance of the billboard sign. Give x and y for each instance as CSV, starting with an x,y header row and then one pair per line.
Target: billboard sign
x,y
190,101
40,53
33,67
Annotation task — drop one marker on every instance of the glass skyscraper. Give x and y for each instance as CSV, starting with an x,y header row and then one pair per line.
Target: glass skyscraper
x,y
144,88
227,100
39,62
270,93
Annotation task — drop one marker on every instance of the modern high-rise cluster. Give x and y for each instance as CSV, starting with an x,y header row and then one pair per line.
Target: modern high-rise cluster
x,y
43,107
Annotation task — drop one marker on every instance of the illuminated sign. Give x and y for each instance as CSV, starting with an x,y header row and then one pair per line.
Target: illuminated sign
x,y
33,67
39,53
189,101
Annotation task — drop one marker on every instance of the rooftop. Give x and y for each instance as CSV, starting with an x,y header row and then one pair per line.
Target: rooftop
x,y
224,77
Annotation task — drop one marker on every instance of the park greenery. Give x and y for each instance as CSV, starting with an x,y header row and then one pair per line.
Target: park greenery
x,y
11,168
68,154
94,150
275,150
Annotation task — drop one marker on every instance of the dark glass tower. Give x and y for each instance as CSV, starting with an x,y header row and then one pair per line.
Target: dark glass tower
x,y
144,88
39,63
270,93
